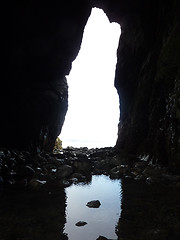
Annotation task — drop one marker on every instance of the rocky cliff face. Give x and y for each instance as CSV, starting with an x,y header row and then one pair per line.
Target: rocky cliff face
x,y
42,40
147,79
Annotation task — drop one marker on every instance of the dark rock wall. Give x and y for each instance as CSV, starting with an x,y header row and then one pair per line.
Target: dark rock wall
x,y
42,40
147,78
148,212
149,121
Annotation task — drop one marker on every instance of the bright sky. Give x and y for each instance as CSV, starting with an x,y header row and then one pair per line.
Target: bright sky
x,y
93,112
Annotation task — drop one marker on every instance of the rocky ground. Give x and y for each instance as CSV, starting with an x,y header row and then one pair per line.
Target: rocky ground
x,y
22,169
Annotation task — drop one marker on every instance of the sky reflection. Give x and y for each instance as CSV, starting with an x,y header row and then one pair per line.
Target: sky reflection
x,y
102,220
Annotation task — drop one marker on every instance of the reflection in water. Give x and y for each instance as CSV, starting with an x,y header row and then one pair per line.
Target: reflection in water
x,y
149,212
33,215
100,221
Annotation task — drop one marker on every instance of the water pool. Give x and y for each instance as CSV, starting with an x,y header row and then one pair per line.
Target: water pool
x,y
100,221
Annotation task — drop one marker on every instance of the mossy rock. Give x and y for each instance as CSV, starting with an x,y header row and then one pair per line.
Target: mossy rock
x,y
58,144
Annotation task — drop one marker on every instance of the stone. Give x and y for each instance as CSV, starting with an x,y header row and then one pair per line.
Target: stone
x,y
74,180
135,172
2,155
65,183
26,171
153,171
93,204
58,162
101,238
58,144
82,166
81,156
119,171
151,180
78,176
36,184
139,177
59,154
140,164
81,223
64,171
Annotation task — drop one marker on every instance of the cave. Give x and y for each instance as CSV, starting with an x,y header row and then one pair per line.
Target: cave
x,y
42,40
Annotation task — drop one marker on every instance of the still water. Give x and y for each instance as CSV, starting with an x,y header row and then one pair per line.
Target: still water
x,y
101,221
134,209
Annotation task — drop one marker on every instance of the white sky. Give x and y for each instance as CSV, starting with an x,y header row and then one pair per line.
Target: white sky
x,y
93,112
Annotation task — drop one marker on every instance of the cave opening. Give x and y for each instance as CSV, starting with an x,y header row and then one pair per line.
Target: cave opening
x,y
93,111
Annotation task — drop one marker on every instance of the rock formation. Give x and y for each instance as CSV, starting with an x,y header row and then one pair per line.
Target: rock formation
x,y
42,39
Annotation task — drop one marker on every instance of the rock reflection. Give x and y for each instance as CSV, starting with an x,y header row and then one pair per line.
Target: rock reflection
x,y
33,215
149,212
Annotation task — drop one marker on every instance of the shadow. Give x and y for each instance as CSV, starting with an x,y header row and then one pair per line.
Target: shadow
x,y
33,215
149,212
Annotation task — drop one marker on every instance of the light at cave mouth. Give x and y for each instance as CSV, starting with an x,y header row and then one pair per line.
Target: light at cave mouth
x,y
93,112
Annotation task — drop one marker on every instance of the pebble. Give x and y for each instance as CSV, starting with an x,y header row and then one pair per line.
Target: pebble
x,y
78,176
101,238
81,223
36,184
65,183
64,171
93,204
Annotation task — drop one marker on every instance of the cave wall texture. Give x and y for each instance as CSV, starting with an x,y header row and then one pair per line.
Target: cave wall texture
x,y
42,40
